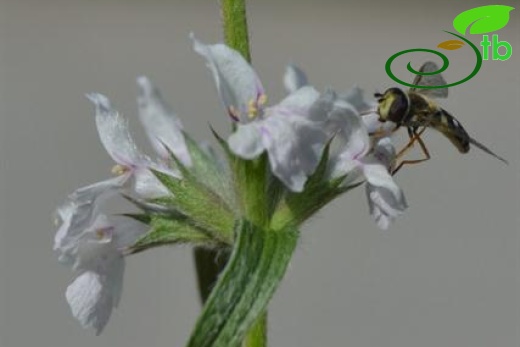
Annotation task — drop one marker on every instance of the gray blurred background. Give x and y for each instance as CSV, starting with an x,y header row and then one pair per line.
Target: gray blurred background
x,y
446,274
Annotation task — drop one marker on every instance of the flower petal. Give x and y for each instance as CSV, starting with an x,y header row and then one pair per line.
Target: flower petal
x,y
294,145
384,151
79,212
300,103
349,129
237,82
246,141
384,205
113,132
386,200
293,140
374,125
127,231
294,78
355,97
377,175
148,186
345,122
90,301
162,126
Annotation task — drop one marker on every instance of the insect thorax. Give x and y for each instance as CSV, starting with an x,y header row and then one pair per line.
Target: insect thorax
x,y
421,109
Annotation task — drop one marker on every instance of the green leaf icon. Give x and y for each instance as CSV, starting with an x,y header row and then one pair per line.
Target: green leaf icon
x,y
483,19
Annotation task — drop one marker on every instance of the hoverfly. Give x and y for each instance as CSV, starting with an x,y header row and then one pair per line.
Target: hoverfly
x,y
416,110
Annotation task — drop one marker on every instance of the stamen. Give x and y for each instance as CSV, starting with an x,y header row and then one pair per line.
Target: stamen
x,y
104,233
262,99
233,113
254,105
252,109
119,169
100,234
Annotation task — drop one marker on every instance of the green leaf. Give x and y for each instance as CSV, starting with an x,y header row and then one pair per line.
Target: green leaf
x,y
256,267
483,19
140,217
205,208
167,231
207,169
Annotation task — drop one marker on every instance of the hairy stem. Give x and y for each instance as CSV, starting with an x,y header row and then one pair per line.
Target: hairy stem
x,y
234,21
208,267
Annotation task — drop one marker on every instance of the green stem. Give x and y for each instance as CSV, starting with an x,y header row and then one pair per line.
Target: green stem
x,y
251,186
234,21
251,177
253,190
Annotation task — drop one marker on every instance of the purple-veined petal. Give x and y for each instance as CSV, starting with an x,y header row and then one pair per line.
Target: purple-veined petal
x,y
349,129
113,133
162,125
345,122
294,78
237,82
293,141
294,148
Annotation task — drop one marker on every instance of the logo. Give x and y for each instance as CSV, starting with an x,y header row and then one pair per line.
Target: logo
x,y
479,20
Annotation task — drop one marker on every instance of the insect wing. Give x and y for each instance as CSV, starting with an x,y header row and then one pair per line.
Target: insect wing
x,y
430,81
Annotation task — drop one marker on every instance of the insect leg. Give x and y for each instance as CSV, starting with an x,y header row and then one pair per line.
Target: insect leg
x,y
414,136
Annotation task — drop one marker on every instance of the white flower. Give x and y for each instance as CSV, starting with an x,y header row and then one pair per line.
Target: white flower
x,y
115,137
291,132
97,258
90,242
78,213
359,158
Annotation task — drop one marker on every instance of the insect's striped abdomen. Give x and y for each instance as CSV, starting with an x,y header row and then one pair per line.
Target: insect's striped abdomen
x,y
452,129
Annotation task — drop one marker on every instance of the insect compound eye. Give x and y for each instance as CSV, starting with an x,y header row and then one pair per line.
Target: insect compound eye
x,y
399,107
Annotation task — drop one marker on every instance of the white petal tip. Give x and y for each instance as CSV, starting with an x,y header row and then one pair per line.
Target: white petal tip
x,y
145,86
143,82
294,78
99,100
198,46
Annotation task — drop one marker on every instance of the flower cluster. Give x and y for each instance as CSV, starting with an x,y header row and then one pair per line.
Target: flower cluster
x,y
316,145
